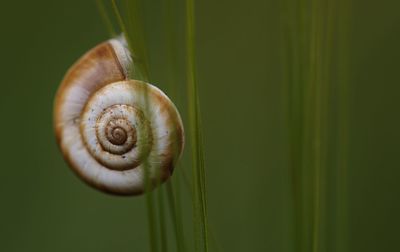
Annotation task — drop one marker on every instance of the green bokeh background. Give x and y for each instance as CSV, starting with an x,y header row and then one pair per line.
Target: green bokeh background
x,y
44,207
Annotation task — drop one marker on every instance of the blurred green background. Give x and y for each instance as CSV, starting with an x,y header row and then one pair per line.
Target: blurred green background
x,y
44,207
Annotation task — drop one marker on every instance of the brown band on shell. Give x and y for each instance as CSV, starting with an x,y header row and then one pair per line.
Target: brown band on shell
x,y
100,65
116,134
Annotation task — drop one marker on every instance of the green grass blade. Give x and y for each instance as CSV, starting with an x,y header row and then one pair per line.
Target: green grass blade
x,y
308,32
151,215
135,27
343,126
199,204
106,18
161,217
293,60
153,239
315,77
176,213
174,197
139,70
171,44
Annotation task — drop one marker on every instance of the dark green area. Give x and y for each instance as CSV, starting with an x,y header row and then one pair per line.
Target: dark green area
x,y
45,207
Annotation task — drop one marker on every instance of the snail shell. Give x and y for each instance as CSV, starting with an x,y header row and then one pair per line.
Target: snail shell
x,y
114,131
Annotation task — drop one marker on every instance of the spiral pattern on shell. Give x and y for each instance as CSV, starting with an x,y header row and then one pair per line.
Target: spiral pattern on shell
x,y
110,129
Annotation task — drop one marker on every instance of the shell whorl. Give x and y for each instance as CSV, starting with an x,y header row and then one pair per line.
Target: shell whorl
x,y
110,129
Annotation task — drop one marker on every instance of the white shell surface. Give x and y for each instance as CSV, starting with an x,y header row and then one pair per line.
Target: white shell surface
x,y
159,137
110,129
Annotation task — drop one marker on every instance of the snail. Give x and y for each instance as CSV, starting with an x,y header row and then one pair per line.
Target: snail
x,y
116,133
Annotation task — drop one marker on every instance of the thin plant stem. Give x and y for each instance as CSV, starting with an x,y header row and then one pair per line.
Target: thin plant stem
x,y
291,73
199,204
140,72
176,213
134,10
150,211
317,142
151,215
343,126
106,18
308,35
140,69
161,217
174,198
